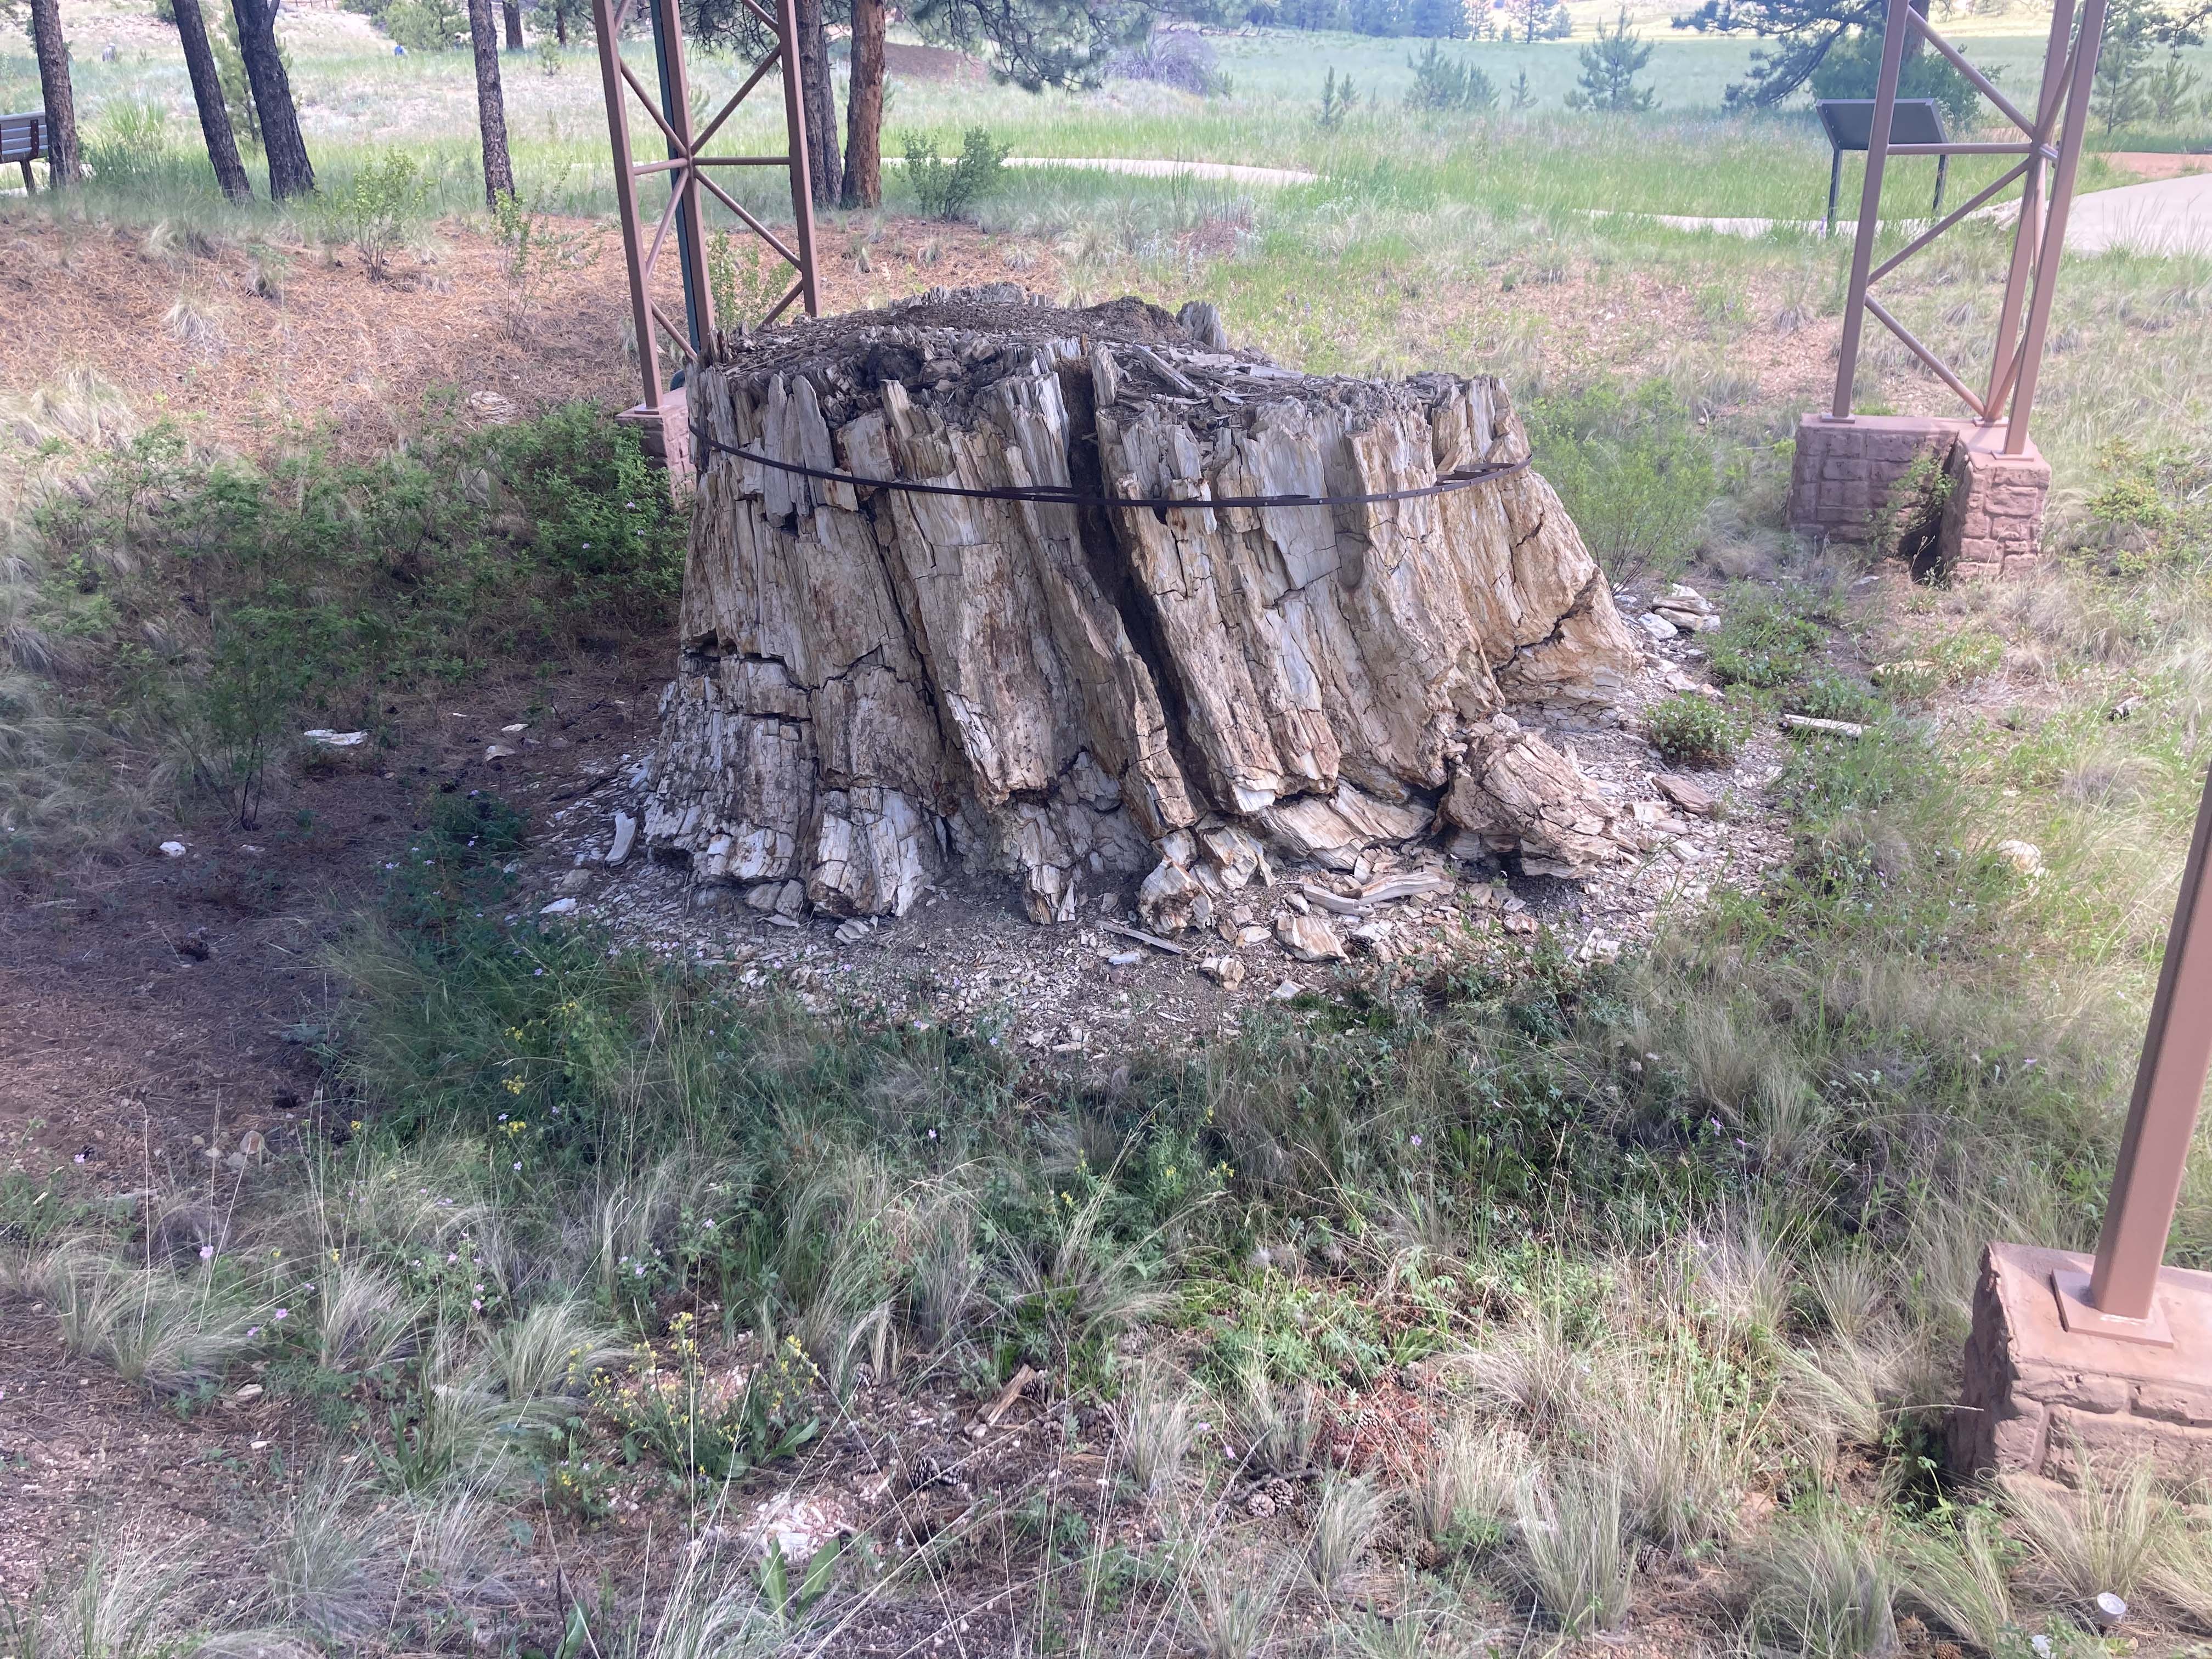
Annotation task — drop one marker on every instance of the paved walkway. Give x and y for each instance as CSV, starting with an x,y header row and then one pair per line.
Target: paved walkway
x,y
1265,178
2167,216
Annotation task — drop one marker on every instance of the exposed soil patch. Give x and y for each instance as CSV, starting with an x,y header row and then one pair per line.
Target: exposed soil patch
x,y
248,347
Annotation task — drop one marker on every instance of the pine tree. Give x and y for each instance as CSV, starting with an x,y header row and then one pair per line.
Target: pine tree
x,y
1438,20
491,103
209,96
63,166
2120,96
1610,66
290,172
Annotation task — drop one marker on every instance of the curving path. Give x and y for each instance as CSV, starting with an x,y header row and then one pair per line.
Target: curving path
x,y
1231,172
2166,216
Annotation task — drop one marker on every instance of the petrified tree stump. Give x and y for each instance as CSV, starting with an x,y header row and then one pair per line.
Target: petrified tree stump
x,y
876,684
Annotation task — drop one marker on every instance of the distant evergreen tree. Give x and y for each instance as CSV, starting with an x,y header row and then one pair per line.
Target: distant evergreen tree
x,y
1853,67
2170,88
2121,96
1438,20
1537,20
1522,98
1610,66
1447,83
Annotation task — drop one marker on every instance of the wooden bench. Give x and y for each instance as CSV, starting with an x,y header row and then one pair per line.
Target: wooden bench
x,y
23,140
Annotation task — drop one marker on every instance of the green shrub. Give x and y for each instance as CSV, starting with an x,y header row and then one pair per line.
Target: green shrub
x,y
1691,731
1834,697
710,1423
1634,469
1450,85
424,25
375,211
948,189
130,143
1764,641
215,607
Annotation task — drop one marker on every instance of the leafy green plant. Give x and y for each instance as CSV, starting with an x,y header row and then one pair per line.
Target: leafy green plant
x,y
744,279
1830,696
711,1424
539,248
379,205
1691,730
1907,522
1635,471
1449,85
948,189
1764,641
786,1602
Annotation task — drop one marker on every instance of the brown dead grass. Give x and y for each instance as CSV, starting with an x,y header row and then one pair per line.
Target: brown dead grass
x,y
293,337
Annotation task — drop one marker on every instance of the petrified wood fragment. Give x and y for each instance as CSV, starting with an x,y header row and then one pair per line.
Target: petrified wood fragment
x,y
876,684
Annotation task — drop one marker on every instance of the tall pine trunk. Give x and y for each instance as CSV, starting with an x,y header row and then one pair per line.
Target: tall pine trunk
x,y
290,172
513,11
864,109
560,21
63,166
491,103
820,101
207,92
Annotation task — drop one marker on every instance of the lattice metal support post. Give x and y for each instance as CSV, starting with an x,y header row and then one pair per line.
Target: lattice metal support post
x,y
1877,160
2119,1296
690,181
2052,137
2054,226
684,182
2028,234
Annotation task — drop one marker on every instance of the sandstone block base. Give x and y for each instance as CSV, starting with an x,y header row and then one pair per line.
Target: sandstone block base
x,y
1992,519
667,436
2037,1398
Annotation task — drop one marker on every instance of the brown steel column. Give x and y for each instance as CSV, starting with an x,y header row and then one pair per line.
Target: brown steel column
x,y
2054,224
606,23
802,190
2177,1056
1894,34
697,291
2028,233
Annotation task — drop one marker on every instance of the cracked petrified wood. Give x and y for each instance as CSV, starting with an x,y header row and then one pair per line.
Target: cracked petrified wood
x,y
875,683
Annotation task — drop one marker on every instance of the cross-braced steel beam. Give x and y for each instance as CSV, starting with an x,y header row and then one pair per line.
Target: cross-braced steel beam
x,y
2049,138
690,180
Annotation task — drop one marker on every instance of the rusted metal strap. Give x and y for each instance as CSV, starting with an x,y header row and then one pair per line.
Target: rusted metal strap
x,y
1066,495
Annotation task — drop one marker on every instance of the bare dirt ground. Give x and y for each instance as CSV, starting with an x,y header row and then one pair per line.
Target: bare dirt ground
x,y
247,346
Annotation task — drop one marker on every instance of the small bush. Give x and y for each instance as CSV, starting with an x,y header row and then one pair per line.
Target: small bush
x,y
949,189
1835,698
1447,85
424,25
1763,642
742,278
1338,100
1635,471
375,211
1691,731
1171,57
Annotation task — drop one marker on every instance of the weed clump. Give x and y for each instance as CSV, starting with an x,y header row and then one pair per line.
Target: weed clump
x,y
1765,642
1690,730
948,189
